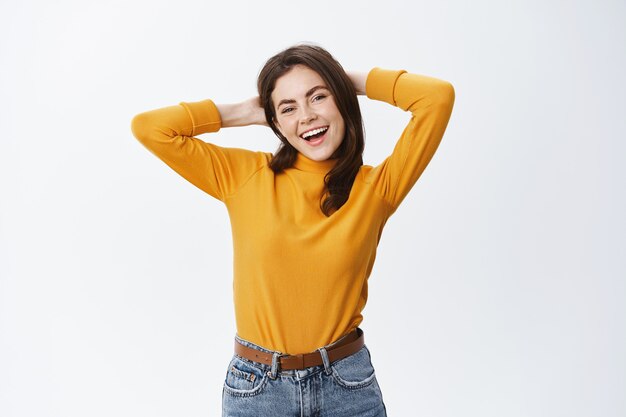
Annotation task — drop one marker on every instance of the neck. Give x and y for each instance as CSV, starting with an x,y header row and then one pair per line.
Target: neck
x,y
305,164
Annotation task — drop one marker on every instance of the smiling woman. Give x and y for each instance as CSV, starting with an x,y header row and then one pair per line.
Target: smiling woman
x,y
304,88
302,261
311,122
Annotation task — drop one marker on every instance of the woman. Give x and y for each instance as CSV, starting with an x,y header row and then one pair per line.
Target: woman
x,y
306,222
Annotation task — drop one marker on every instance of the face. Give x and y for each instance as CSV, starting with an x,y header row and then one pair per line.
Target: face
x,y
306,113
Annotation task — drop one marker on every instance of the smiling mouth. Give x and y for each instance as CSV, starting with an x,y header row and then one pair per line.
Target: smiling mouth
x,y
314,134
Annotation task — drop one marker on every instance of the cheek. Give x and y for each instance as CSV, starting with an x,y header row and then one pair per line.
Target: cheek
x,y
336,116
284,126
288,131
280,127
342,128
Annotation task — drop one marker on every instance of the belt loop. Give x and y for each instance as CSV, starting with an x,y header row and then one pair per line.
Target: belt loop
x,y
324,354
273,374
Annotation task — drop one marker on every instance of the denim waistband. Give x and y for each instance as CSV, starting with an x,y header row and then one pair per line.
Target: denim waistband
x,y
266,367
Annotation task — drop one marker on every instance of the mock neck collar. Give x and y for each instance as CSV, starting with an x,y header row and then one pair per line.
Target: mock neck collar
x,y
305,164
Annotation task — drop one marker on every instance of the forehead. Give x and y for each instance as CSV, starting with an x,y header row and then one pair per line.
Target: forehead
x,y
295,83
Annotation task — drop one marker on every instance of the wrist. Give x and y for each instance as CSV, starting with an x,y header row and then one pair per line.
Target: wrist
x,y
358,79
233,114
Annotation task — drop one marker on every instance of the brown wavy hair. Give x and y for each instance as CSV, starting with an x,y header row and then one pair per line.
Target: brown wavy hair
x,y
338,181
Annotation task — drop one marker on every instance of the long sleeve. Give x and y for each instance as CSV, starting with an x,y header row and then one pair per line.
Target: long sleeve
x,y
430,101
169,132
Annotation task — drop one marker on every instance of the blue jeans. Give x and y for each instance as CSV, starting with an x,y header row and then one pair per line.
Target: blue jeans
x,y
344,388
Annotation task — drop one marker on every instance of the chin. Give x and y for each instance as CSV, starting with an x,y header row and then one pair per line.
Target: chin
x,y
319,157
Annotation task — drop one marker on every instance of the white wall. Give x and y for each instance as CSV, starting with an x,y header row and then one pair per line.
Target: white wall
x,y
503,269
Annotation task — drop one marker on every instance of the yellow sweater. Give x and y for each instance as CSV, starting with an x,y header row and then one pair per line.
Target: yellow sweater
x,y
300,278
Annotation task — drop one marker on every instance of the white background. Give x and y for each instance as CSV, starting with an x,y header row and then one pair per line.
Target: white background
x,y
499,287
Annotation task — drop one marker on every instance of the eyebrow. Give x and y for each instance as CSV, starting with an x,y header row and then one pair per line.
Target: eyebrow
x,y
307,95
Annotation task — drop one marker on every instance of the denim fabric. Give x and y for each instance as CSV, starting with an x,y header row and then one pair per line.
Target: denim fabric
x,y
344,388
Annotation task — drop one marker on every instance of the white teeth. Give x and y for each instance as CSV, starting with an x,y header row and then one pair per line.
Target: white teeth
x,y
314,132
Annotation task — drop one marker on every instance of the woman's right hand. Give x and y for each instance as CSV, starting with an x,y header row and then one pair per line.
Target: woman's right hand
x,y
245,113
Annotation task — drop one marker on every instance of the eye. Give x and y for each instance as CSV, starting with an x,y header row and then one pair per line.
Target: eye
x,y
286,110
319,97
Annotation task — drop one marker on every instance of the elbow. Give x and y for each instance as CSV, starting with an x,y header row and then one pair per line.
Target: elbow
x,y
451,94
446,94
140,127
444,97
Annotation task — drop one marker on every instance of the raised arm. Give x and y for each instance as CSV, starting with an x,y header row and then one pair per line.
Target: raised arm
x,y
359,80
430,101
248,112
169,133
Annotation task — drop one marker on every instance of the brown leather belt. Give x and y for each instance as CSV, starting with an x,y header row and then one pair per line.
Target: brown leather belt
x,y
346,346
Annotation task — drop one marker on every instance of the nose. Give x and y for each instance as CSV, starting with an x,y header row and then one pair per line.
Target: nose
x,y
307,116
